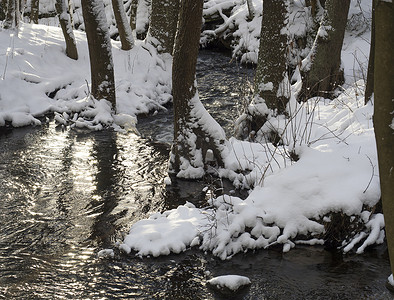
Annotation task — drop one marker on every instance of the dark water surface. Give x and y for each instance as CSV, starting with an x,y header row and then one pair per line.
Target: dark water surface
x,y
65,195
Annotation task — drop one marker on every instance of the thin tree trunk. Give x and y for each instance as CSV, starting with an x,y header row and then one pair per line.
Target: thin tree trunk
x,y
321,68
369,85
124,29
17,13
10,20
163,24
34,11
251,9
3,9
383,114
71,46
100,51
133,14
71,12
198,139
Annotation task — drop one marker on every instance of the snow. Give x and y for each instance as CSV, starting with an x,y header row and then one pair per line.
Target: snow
x,y
336,172
173,231
106,253
33,65
232,282
289,201
391,280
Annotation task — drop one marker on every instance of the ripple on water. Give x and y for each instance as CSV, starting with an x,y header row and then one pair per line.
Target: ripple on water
x,y
67,194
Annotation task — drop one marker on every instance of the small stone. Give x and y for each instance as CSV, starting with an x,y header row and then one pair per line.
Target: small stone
x,y
229,285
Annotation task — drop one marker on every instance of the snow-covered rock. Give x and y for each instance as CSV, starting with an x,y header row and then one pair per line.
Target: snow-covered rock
x,y
229,284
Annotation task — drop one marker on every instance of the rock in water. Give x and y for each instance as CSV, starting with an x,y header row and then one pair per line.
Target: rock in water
x,y
228,284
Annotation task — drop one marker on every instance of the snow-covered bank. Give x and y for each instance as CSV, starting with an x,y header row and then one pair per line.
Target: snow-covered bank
x,y
325,163
37,77
243,34
291,202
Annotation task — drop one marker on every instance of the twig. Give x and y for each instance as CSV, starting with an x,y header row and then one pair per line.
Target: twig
x,y
373,174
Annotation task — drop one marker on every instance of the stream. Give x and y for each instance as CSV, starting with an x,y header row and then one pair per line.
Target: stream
x,y
67,194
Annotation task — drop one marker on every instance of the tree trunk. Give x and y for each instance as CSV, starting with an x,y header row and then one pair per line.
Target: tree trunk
x,y
3,9
133,14
100,51
65,23
321,68
9,21
34,11
13,14
369,85
198,139
383,114
163,24
271,83
251,9
17,13
124,29
71,12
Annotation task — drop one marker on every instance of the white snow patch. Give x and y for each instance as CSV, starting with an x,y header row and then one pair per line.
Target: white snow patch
x,y
33,69
232,282
161,234
391,280
106,253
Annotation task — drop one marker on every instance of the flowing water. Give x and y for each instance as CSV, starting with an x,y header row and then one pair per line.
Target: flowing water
x,y
65,195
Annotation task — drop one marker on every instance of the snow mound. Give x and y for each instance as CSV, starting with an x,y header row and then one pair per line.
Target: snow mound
x,y
161,234
291,201
231,282
106,253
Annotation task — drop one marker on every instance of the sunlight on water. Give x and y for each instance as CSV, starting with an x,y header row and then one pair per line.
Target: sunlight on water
x,y
67,194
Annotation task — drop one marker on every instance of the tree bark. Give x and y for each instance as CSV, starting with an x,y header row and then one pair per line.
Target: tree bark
x,y
71,12
65,23
251,9
10,18
124,29
3,9
133,14
271,69
369,85
321,68
198,139
163,24
100,51
383,113
271,83
34,11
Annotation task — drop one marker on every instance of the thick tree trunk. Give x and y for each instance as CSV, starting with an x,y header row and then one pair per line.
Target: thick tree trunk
x,y
369,85
322,67
271,83
198,139
124,29
100,51
163,24
383,114
65,23
34,11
